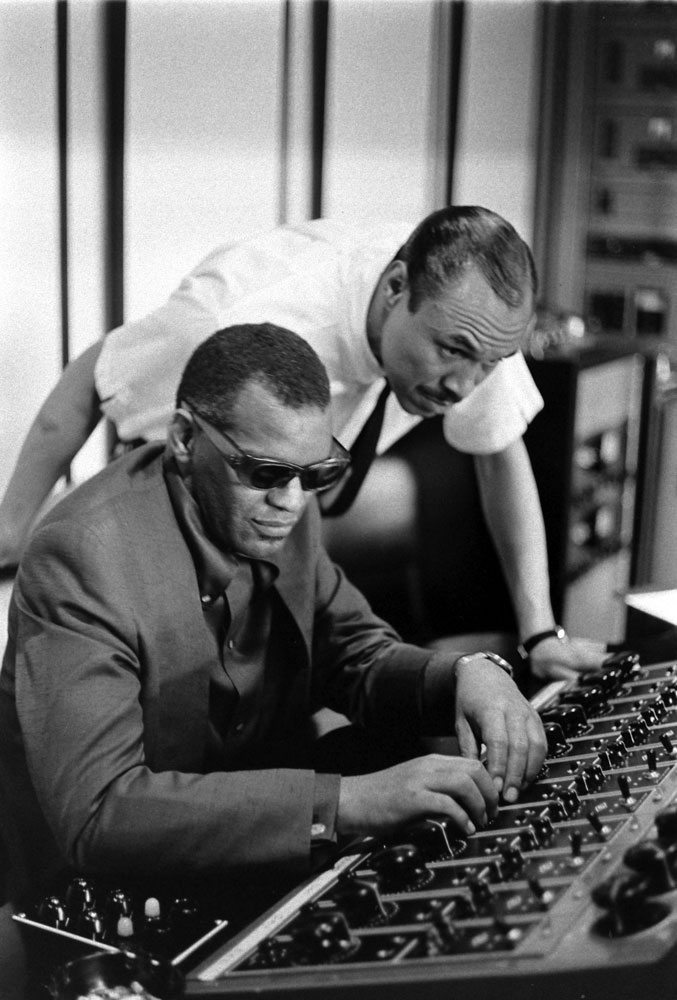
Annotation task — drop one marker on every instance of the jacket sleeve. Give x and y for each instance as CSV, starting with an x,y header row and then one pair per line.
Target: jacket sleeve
x,y
361,665
84,722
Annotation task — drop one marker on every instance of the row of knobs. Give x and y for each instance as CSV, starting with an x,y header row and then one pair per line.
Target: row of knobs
x,y
114,919
323,934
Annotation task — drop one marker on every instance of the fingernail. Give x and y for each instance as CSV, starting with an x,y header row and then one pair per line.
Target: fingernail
x,y
498,784
511,795
469,827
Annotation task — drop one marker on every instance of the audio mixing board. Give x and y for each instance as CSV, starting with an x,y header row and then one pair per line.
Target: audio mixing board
x,y
570,894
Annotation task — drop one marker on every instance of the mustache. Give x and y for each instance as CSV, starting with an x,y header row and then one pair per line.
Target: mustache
x,y
447,398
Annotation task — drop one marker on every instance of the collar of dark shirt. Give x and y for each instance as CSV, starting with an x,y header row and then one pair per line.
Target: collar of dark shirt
x,y
214,568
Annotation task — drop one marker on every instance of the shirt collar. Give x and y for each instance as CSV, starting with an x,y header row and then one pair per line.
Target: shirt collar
x,y
364,276
214,568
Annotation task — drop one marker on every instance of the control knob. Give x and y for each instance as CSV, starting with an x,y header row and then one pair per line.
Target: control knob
x,y
79,897
666,825
557,742
361,901
51,912
443,935
624,897
435,836
399,868
591,699
324,936
90,924
626,662
118,904
571,718
649,859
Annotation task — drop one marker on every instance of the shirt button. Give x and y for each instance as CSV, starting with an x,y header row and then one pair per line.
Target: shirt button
x,y
206,599
317,829
231,644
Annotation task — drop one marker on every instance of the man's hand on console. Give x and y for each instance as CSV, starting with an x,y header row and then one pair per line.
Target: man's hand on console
x,y
491,710
564,659
434,785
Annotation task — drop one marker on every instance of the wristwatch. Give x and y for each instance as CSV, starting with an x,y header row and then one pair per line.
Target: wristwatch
x,y
556,632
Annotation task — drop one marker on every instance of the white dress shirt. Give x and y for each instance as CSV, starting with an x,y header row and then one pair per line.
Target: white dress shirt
x,y
317,279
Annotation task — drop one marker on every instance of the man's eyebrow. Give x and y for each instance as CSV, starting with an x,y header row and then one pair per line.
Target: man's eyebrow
x,y
459,340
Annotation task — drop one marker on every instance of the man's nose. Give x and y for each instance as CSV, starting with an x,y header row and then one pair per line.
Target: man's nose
x,y
289,497
460,380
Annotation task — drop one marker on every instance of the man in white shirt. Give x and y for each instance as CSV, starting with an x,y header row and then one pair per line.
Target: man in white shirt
x,y
441,318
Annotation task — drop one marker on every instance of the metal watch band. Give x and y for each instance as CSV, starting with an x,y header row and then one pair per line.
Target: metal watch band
x,y
499,661
488,655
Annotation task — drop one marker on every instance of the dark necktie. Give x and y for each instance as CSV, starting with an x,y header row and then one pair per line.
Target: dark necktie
x,y
361,456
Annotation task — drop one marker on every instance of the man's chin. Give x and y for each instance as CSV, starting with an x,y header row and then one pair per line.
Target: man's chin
x,y
416,405
264,546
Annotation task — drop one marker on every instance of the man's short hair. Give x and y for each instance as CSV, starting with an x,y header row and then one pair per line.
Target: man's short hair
x,y
276,358
451,239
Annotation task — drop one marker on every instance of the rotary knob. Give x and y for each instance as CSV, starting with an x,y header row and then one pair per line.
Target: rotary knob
x,y
90,924
324,937
512,861
666,825
118,904
399,868
79,896
481,893
626,662
435,837
610,680
571,718
557,742
273,953
543,828
443,936
155,930
360,900
624,897
649,859
52,913
570,801
592,699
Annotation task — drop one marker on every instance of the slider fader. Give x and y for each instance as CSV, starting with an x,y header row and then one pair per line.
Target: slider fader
x,y
570,894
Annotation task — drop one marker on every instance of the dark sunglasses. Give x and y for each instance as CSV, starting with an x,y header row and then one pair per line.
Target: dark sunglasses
x,y
270,473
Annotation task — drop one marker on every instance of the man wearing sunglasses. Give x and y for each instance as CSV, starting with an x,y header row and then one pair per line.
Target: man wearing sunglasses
x,y
442,318
175,623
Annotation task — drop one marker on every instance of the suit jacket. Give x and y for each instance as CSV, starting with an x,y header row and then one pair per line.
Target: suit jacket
x,y
104,690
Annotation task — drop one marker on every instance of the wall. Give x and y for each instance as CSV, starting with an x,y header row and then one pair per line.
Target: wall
x,y
29,249
498,115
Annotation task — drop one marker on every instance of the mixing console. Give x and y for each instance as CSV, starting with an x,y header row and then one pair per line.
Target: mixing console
x,y
570,892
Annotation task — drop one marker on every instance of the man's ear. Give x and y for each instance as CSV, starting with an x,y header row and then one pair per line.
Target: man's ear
x,y
181,439
396,282
529,331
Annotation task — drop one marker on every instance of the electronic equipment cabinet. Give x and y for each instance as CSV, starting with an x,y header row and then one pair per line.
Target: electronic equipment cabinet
x,y
584,449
